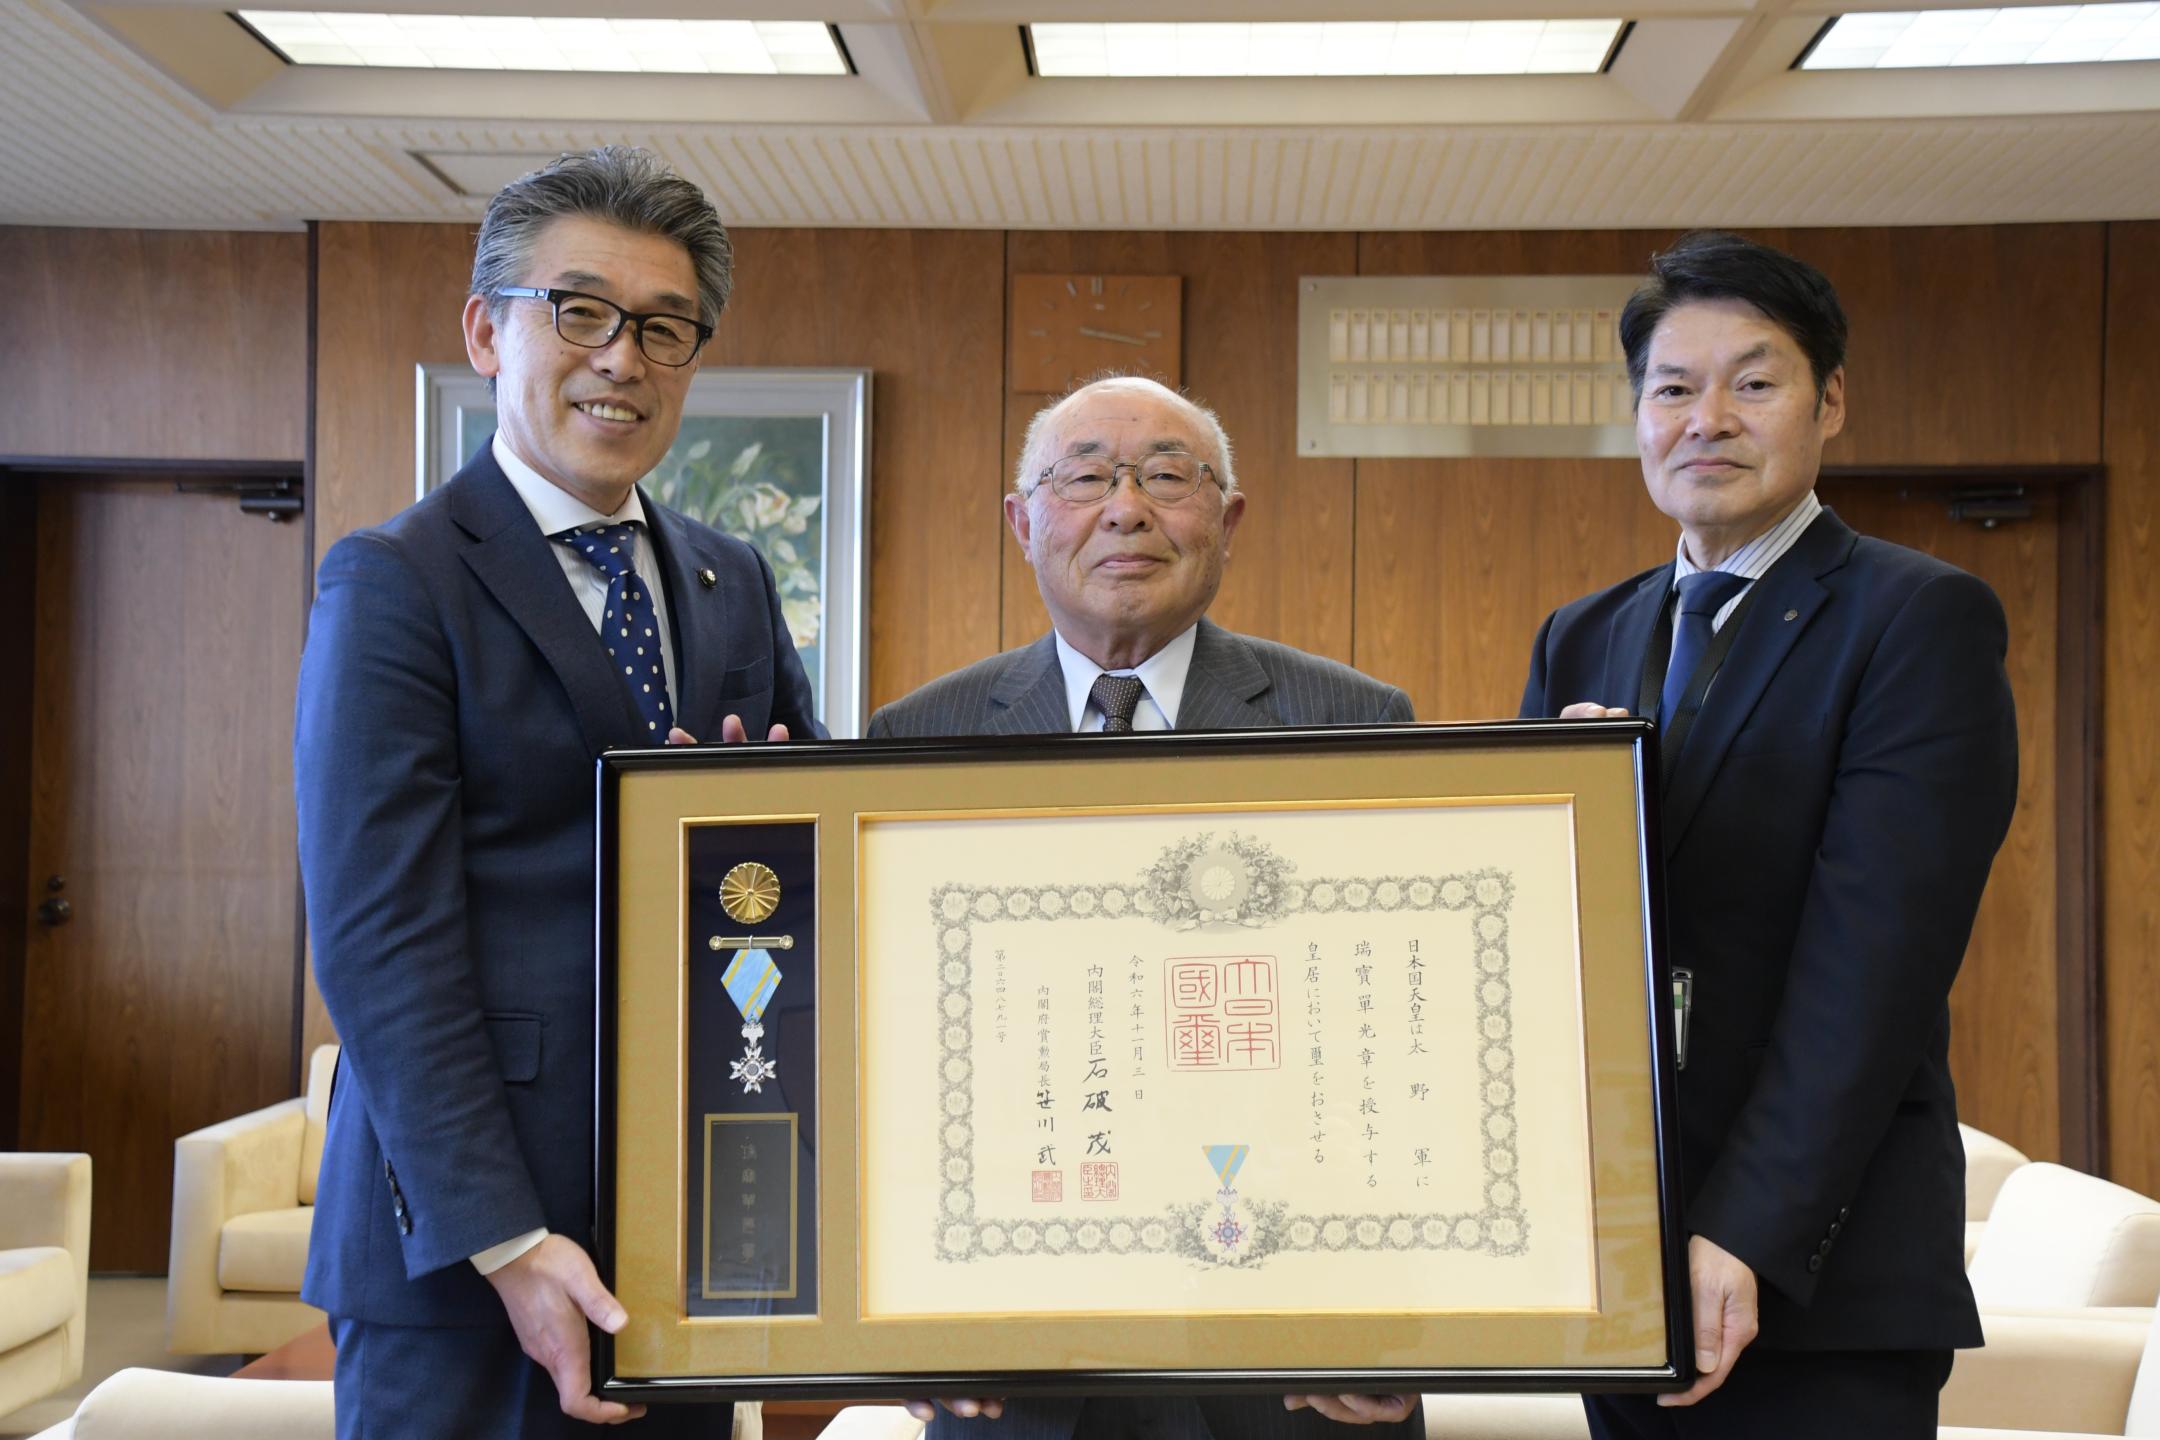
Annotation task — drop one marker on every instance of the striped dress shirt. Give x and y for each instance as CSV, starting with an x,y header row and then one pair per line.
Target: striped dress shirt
x,y
1752,560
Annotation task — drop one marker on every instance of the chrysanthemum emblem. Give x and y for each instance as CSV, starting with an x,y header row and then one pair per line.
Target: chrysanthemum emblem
x,y
1218,881
749,893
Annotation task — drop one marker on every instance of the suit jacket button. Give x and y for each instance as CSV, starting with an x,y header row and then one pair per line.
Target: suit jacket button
x,y
1814,1263
1824,1248
1844,1212
1835,1226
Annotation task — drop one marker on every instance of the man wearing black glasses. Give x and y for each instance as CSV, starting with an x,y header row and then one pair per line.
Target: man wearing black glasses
x,y
1125,503
466,663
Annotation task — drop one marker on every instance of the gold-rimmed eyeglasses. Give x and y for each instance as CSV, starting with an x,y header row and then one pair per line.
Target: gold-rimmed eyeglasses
x,y
593,323
1165,475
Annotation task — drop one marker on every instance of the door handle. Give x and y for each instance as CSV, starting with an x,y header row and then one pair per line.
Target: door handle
x,y
53,910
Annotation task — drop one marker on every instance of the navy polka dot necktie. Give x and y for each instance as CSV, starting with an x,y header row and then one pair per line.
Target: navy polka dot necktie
x,y
628,625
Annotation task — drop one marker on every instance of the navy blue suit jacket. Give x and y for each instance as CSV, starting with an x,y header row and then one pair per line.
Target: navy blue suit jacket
x,y
453,699
1827,832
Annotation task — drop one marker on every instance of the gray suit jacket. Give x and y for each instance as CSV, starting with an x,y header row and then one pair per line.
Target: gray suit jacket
x,y
1236,682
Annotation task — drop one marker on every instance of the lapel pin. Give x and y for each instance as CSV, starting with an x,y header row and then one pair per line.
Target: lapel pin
x,y
708,580
1789,614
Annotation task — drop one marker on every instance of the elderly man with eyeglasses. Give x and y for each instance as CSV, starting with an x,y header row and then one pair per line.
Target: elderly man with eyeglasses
x,y
1125,503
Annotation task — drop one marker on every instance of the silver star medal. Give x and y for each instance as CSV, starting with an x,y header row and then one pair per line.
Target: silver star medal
x,y
753,1069
751,979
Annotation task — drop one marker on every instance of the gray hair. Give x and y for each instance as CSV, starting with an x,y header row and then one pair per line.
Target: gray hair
x,y
1025,470
620,184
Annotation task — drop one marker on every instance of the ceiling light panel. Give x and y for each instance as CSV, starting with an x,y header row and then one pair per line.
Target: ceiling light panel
x,y
1322,47
545,42
2021,35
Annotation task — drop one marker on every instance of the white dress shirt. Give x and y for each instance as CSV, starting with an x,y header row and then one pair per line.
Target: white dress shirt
x,y
555,510
1162,684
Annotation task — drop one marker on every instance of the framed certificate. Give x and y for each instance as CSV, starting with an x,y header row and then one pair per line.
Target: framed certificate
x,y
1291,1060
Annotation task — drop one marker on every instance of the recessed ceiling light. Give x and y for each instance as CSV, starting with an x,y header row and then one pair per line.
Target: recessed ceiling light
x,y
546,42
1323,47
2009,35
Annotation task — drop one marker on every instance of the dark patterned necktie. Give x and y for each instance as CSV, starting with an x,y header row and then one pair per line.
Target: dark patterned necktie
x,y
1117,696
1702,595
629,626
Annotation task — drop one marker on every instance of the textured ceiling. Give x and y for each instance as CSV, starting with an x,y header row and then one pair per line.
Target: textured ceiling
x,y
95,134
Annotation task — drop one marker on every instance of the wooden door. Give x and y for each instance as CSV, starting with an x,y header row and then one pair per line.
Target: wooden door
x,y
167,640
2005,1051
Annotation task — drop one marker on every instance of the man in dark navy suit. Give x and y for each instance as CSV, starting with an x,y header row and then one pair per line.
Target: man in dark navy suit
x,y
1839,763
466,664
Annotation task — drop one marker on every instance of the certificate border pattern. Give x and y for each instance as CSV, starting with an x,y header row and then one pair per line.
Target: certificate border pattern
x,y
1499,1228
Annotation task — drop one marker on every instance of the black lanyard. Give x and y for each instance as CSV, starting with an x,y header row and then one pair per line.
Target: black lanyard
x,y
1673,738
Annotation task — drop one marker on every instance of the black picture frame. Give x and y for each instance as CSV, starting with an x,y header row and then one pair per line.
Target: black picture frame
x,y
1633,743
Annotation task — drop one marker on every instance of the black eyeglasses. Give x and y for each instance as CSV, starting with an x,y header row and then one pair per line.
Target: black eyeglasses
x,y
593,323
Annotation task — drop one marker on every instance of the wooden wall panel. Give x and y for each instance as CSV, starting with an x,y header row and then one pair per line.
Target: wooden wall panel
x,y
2130,747
1459,561
388,298
1290,570
1972,345
155,345
924,309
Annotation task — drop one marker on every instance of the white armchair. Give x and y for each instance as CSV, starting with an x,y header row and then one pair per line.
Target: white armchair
x,y
2061,1375
159,1405
243,1204
1988,1162
44,1274
2060,1238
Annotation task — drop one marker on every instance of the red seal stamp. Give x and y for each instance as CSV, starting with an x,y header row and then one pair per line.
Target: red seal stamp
x,y
1224,1013
1048,1187
1098,1180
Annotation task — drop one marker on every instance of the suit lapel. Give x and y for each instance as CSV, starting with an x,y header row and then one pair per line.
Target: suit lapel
x,y
1627,649
1784,604
1222,683
1028,698
697,619
516,564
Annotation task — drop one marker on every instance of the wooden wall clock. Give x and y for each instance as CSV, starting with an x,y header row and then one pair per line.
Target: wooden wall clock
x,y
1068,327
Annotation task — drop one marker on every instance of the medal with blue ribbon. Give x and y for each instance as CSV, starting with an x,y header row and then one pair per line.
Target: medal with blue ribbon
x,y
750,893
751,979
1228,1236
